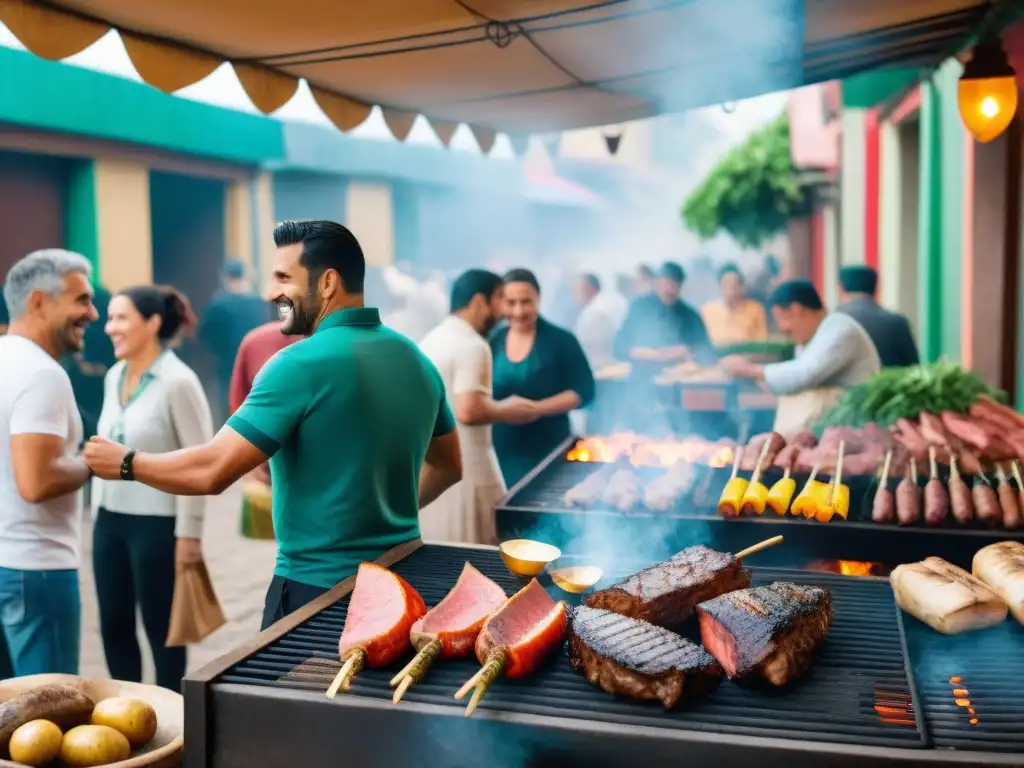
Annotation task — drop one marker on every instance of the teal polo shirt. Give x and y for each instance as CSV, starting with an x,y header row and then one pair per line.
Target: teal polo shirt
x,y
346,417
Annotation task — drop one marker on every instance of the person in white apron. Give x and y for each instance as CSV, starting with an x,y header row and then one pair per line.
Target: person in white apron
x,y
459,350
835,352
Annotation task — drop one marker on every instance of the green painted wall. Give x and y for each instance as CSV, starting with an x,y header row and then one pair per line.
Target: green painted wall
x,y
940,230
58,97
81,223
929,272
868,90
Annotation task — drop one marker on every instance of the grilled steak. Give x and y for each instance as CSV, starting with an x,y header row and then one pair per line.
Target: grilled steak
x,y
767,631
666,594
629,657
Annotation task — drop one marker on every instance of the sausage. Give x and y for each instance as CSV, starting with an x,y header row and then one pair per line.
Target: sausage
x,y
63,704
984,413
1009,505
936,502
908,501
911,437
960,499
986,503
966,430
883,509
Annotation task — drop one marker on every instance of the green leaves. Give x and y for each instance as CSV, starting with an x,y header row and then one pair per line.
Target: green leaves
x,y
752,193
898,393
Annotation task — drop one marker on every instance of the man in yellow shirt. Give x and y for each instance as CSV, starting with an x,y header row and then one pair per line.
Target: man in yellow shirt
x,y
735,318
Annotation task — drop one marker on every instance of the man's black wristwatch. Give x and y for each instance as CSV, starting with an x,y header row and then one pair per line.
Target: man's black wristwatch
x,y
127,471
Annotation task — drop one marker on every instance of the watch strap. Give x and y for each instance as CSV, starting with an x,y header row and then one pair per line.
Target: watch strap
x,y
127,470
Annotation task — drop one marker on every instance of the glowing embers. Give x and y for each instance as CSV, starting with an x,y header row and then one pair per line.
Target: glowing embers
x,y
961,697
645,451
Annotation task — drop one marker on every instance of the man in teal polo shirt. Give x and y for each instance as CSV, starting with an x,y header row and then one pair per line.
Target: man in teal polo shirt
x,y
353,419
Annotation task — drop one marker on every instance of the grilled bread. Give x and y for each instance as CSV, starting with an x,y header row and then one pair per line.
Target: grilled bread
x,y
1001,567
946,598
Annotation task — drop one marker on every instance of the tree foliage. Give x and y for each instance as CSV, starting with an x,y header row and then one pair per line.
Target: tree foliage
x,y
752,193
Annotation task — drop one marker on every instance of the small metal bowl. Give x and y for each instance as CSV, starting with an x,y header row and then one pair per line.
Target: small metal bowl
x,y
528,558
576,579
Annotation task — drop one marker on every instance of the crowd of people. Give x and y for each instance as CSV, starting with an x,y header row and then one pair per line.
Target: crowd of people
x,y
366,436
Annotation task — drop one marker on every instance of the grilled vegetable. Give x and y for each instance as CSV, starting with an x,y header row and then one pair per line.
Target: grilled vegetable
x,y
805,504
837,502
946,598
756,495
731,501
1001,566
883,508
781,494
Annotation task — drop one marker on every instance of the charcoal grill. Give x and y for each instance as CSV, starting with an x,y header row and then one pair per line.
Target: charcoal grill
x,y
535,508
264,704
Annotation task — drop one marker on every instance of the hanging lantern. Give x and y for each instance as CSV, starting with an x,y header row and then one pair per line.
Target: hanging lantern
x,y
987,94
612,138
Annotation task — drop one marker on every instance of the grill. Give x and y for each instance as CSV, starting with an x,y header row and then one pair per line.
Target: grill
x,y
535,508
264,704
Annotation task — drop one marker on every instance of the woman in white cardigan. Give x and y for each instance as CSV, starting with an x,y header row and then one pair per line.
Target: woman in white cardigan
x,y
152,402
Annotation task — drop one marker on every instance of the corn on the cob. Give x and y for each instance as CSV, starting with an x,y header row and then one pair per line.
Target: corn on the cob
x,y
731,501
781,494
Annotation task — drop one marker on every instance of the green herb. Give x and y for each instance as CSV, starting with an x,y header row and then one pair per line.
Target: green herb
x,y
904,393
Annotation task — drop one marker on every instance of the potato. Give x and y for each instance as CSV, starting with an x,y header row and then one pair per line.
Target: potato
x,y
91,745
135,718
35,743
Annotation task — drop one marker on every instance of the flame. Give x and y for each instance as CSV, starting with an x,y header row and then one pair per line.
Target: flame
x,y
849,567
646,452
855,568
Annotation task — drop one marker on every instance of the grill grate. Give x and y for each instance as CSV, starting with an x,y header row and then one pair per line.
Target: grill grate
x,y
858,691
969,685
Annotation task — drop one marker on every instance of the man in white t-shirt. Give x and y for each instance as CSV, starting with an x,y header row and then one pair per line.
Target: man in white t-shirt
x,y
458,348
49,299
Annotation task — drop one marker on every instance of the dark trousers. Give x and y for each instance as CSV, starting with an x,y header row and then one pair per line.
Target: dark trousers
x,y
285,596
133,559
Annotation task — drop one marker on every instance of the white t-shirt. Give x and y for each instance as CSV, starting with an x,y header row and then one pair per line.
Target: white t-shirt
x,y
36,398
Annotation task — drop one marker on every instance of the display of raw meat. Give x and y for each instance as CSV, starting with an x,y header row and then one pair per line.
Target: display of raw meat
x,y
381,612
946,598
623,491
804,439
932,429
516,639
966,430
1001,567
662,493
629,657
449,629
768,632
588,491
666,594
752,451
788,456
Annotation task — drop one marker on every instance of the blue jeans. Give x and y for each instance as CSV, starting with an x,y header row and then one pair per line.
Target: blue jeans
x,y
41,614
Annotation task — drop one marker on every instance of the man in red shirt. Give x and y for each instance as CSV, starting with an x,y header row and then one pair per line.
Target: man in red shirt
x,y
258,346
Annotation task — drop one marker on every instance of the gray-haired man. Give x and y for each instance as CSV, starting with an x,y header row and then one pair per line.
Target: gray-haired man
x,y
49,299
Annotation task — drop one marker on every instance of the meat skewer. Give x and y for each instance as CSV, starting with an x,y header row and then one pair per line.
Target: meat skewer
x,y
1001,567
665,594
630,657
1008,501
756,494
768,631
959,494
449,629
624,490
986,503
663,492
936,499
516,639
908,496
588,491
883,508
381,611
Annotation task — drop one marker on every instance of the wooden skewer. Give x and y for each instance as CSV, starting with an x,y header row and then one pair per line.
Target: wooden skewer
x,y
736,462
887,465
353,666
469,684
838,478
753,550
407,681
756,476
1016,475
490,672
416,669
913,470
933,464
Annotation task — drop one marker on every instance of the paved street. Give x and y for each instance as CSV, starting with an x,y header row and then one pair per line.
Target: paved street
x,y
240,569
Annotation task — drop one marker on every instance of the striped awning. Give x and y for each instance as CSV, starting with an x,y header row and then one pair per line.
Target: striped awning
x,y
518,66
